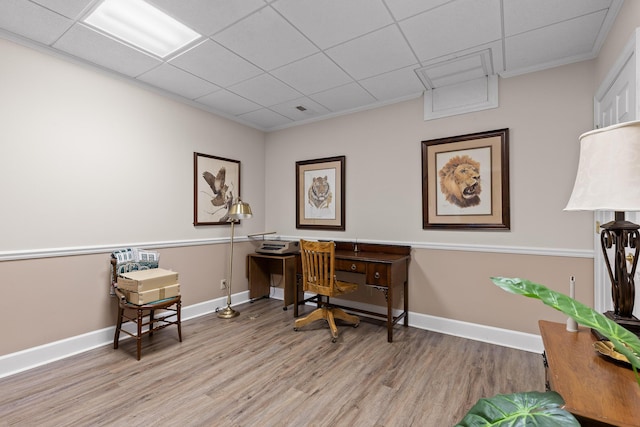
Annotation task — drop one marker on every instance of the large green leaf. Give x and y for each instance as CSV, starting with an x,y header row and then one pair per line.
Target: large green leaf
x,y
625,341
519,410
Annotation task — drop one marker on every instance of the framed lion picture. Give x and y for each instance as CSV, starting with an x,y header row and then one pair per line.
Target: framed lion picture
x,y
465,181
320,198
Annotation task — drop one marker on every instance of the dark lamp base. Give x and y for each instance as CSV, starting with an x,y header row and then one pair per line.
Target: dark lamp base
x,y
631,323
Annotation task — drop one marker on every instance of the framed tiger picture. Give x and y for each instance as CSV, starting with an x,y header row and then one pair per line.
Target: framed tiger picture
x,y
320,198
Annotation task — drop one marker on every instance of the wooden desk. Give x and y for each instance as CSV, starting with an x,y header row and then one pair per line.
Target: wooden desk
x,y
597,391
259,270
385,267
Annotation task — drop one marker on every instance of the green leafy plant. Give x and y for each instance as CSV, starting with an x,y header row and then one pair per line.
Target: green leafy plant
x,y
546,409
532,408
624,341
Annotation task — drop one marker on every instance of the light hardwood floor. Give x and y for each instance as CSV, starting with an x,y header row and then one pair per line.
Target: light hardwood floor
x,y
255,370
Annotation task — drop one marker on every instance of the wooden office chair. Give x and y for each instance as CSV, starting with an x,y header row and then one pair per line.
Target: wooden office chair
x,y
318,276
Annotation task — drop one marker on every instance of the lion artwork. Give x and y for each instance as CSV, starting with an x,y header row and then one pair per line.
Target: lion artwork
x,y
460,181
319,193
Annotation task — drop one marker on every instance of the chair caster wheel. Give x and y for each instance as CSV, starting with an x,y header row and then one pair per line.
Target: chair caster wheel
x,y
295,329
284,309
356,325
334,340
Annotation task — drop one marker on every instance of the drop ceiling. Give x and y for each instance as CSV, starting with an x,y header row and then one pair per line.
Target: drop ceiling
x,y
274,64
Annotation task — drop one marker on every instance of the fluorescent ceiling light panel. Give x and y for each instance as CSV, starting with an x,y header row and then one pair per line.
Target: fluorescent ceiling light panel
x,y
142,25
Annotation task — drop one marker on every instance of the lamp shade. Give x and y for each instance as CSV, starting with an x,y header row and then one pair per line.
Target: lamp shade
x,y
240,210
608,175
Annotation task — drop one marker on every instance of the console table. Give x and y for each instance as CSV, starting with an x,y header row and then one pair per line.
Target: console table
x,y
385,268
599,392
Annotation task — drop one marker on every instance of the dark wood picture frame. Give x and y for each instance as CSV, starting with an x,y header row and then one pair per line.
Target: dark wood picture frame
x,y
320,194
465,182
216,185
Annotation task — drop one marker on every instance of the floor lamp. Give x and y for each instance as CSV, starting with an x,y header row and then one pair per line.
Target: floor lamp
x,y
239,210
608,179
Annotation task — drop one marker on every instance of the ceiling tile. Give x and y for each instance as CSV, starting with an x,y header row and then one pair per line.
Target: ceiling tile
x,y
329,22
525,15
344,97
293,109
312,74
453,27
68,8
228,102
104,51
395,84
376,53
260,59
266,40
402,9
208,16
216,64
265,90
178,81
32,21
572,38
266,119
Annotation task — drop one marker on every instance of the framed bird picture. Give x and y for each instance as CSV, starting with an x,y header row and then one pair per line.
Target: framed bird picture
x,y
216,184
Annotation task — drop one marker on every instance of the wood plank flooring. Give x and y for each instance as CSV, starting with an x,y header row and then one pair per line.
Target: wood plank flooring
x,y
255,370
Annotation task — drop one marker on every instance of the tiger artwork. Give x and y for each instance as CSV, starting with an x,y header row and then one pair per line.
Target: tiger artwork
x,y
319,193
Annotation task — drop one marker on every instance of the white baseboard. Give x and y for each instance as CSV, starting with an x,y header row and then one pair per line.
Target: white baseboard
x,y
20,361
489,334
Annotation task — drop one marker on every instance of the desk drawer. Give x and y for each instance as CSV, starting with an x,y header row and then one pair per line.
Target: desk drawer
x,y
378,274
353,266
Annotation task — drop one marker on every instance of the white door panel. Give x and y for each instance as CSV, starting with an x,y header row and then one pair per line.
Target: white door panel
x,y
615,102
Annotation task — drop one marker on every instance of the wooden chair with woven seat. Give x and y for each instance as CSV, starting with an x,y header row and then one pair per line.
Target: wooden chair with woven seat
x,y
144,316
170,308
318,276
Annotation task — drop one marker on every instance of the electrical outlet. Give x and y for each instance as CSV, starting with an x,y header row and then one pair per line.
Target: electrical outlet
x,y
223,283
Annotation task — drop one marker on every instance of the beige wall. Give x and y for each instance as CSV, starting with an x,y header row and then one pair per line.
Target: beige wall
x,y
88,159
89,163
51,299
545,113
456,285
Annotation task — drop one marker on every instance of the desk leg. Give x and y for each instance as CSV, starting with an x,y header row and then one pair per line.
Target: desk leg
x,y
390,313
405,295
290,286
259,275
298,295
296,288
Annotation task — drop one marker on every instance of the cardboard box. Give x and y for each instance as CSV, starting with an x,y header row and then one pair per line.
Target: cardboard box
x,y
145,297
145,280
